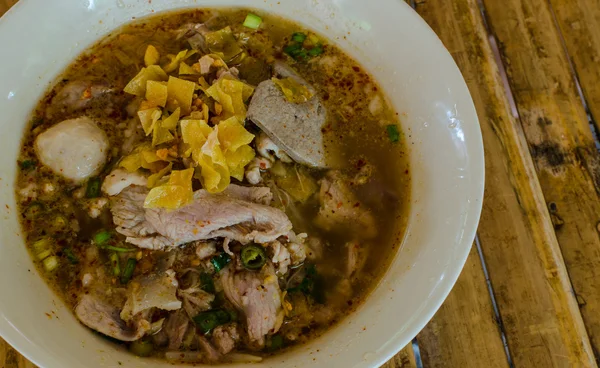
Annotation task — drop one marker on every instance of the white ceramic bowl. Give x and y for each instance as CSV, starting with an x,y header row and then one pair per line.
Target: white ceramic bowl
x,y
40,37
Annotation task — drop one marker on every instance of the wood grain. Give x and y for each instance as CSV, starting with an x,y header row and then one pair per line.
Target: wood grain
x,y
579,21
404,359
559,137
541,317
10,358
5,5
464,333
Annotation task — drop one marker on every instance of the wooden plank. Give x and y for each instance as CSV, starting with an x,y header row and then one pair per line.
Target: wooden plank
x,y
404,359
558,134
10,358
5,5
579,21
463,333
540,314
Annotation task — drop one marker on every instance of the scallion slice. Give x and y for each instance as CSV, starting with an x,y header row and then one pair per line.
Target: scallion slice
x,y
93,187
50,263
393,133
68,252
220,261
253,256
207,321
299,37
102,237
128,270
252,21
115,264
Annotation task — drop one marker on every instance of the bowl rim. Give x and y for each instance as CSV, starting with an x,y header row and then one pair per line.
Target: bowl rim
x,y
20,342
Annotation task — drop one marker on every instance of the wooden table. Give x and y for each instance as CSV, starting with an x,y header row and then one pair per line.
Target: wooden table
x,y
529,295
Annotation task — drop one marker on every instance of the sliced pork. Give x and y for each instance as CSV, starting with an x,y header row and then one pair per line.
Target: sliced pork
x,y
104,318
225,337
233,214
119,179
156,290
340,207
258,296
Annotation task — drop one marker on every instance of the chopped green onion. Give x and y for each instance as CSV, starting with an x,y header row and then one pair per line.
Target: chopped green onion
x,y
275,342
220,261
115,264
93,187
42,244
207,321
27,164
34,209
101,237
128,270
311,285
292,49
71,256
253,256
317,50
252,21
233,314
393,133
206,283
50,263
142,348
44,254
299,37
117,249
59,222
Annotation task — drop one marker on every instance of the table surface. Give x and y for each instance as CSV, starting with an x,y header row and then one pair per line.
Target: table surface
x,y
529,295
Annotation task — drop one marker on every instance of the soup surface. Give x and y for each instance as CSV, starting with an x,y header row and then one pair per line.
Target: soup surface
x,y
213,185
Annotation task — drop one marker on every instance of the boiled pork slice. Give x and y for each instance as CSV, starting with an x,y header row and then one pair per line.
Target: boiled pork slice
x,y
258,296
233,214
78,95
294,127
104,318
119,179
75,148
156,290
225,336
339,208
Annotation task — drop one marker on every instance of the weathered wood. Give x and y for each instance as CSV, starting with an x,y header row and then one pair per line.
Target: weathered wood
x,y
5,5
10,358
404,359
464,333
541,317
558,134
579,21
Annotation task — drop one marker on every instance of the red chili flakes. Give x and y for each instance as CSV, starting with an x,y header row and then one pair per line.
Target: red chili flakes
x,y
339,205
